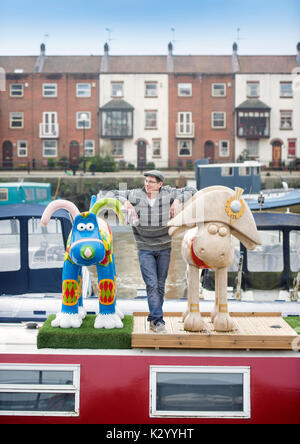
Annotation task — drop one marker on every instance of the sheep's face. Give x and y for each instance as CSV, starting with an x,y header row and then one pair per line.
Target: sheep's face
x,y
86,246
213,244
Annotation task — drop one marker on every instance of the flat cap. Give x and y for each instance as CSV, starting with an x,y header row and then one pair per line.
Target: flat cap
x,y
155,173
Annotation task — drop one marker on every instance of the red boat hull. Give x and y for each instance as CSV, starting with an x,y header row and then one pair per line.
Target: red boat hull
x,y
114,388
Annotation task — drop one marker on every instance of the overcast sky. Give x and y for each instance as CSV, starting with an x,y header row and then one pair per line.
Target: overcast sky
x,y
136,27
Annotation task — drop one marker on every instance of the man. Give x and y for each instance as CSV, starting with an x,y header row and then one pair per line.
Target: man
x,y
149,209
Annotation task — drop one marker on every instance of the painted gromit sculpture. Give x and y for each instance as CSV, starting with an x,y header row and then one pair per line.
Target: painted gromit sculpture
x,y
89,243
210,217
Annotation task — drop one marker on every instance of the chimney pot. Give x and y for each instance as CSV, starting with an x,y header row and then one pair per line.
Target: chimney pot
x,y
106,48
43,48
298,46
234,47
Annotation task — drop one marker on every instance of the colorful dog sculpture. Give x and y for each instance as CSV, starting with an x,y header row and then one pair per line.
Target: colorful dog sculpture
x,y
216,212
89,243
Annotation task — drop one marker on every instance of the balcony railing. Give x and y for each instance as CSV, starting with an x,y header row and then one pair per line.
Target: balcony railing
x,y
185,130
49,130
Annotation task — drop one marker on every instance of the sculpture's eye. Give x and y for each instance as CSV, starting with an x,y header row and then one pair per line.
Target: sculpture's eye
x,y
212,229
81,227
223,231
90,226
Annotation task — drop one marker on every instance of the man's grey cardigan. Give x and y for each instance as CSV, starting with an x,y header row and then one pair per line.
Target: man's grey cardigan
x,y
152,232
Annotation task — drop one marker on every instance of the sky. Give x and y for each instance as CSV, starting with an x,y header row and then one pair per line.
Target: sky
x,y
137,27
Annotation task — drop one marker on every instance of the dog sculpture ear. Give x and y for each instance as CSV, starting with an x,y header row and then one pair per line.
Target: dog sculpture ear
x,y
57,205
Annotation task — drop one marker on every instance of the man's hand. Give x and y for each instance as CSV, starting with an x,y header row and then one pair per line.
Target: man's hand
x,y
175,208
131,216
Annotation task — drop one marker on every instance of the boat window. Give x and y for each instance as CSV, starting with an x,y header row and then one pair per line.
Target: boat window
x,y
41,194
244,171
45,244
35,389
186,391
269,255
295,250
3,194
227,171
10,253
29,194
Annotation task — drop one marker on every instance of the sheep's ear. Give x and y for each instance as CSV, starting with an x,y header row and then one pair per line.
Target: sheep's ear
x,y
57,205
110,203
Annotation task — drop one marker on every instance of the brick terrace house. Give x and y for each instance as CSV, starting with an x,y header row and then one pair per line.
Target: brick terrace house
x,y
201,101
49,109
267,102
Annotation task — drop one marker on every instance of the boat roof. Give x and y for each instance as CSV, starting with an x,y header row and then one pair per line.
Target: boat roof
x,y
250,163
24,184
264,219
25,210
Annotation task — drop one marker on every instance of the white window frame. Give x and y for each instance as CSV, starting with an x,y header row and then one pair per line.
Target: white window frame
x,y
118,147
19,92
83,90
79,121
16,117
153,120
54,142
20,148
216,92
253,92
156,145
152,92
39,388
188,142
182,86
185,122
119,90
89,148
283,93
213,120
227,148
50,88
246,413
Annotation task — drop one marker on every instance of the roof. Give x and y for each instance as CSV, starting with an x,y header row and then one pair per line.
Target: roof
x,y
116,104
12,63
267,64
139,64
203,64
71,64
253,104
136,64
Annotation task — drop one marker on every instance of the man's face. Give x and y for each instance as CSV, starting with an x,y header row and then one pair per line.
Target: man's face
x,y
152,184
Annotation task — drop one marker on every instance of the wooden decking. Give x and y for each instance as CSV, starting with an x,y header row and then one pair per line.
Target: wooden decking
x,y
253,331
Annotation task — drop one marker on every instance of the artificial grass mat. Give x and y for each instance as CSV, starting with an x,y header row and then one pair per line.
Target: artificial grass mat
x,y
86,336
294,322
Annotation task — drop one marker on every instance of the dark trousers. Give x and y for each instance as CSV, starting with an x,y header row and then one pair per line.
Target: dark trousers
x,y
154,268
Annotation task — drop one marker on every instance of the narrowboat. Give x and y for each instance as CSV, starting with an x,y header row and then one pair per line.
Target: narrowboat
x,y
25,192
159,380
246,175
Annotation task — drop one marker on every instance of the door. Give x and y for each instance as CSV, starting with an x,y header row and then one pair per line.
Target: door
x,y
209,151
7,155
276,155
141,155
74,153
